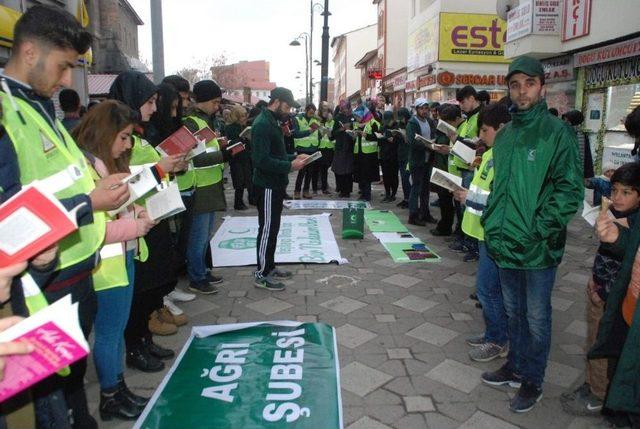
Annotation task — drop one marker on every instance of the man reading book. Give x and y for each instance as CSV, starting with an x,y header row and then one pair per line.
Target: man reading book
x,y
36,146
271,170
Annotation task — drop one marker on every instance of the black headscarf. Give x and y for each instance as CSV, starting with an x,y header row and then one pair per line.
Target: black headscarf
x,y
133,89
161,120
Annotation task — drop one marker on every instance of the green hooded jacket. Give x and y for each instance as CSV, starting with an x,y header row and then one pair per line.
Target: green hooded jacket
x,y
536,190
615,339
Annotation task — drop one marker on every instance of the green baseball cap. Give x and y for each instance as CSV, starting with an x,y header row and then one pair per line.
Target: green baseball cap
x,y
527,65
284,94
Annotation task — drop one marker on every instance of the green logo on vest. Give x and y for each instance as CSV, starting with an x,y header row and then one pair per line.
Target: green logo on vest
x,y
239,243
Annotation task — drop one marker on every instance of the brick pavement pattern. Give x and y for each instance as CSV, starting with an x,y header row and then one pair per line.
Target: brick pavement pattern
x,y
401,332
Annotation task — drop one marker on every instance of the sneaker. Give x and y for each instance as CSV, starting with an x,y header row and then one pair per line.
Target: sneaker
x,y
268,284
326,192
488,351
181,296
307,196
471,256
296,196
203,287
279,274
436,203
528,395
214,280
501,377
458,247
581,402
583,390
437,233
476,340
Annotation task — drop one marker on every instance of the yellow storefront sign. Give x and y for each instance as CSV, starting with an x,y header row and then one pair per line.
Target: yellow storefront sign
x,y
472,38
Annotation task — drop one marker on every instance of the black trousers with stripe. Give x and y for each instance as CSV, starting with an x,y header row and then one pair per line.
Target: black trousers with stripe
x,y
269,202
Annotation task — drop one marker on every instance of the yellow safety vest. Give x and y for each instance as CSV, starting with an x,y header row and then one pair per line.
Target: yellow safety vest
x,y
477,197
325,142
368,146
55,159
111,271
310,141
211,174
467,130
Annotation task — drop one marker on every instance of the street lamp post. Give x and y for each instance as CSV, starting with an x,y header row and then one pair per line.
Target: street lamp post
x,y
324,74
325,33
296,42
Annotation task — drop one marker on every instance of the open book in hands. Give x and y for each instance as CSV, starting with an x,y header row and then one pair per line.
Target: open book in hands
x,y
235,148
166,203
430,144
55,334
312,157
246,133
182,141
32,221
464,152
446,180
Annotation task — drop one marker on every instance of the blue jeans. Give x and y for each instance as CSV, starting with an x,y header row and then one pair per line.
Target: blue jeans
x,y
111,319
490,296
406,182
419,195
199,236
527,300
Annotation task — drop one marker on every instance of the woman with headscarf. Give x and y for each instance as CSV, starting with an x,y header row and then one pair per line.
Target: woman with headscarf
x,y
155,277
366,168
342,164
241,170
389,156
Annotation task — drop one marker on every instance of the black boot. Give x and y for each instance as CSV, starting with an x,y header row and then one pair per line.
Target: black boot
x,y
137,400
156,351
414,220
115,404
139,358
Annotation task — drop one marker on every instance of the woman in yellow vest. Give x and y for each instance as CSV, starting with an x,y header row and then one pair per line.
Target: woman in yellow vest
x,y
493,343
104,134
327,147
156,276
366,166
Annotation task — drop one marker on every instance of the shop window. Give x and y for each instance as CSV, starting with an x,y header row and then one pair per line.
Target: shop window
x,y
621,101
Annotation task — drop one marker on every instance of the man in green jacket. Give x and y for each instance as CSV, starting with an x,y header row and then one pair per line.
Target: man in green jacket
x,y
536,191
271,170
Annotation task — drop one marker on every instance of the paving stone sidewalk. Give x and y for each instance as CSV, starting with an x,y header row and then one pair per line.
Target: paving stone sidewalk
x,y
401,332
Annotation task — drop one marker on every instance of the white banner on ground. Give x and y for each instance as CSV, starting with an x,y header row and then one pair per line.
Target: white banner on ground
x,y
325,204
303,239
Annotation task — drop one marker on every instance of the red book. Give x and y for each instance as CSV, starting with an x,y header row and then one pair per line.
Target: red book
x,y
30,222
206,134
181,141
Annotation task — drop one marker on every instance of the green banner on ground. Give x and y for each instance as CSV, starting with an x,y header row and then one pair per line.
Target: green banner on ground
x,y
251,376
383,221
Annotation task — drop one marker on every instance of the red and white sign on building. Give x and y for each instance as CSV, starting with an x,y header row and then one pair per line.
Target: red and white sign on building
x,y
617,51
576,19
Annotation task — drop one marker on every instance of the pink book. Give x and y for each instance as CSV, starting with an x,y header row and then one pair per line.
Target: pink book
x,y
58,342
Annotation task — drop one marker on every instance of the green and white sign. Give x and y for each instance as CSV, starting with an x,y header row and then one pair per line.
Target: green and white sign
x,y
271,375
325,204
303,239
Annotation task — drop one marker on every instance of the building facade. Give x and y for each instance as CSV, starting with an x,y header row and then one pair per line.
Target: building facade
x,y
599,76
240,79
393,18
348,49
114,24
450,44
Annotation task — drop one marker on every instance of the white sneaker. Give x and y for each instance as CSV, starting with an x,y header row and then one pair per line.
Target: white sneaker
x,y
180,296
173,309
